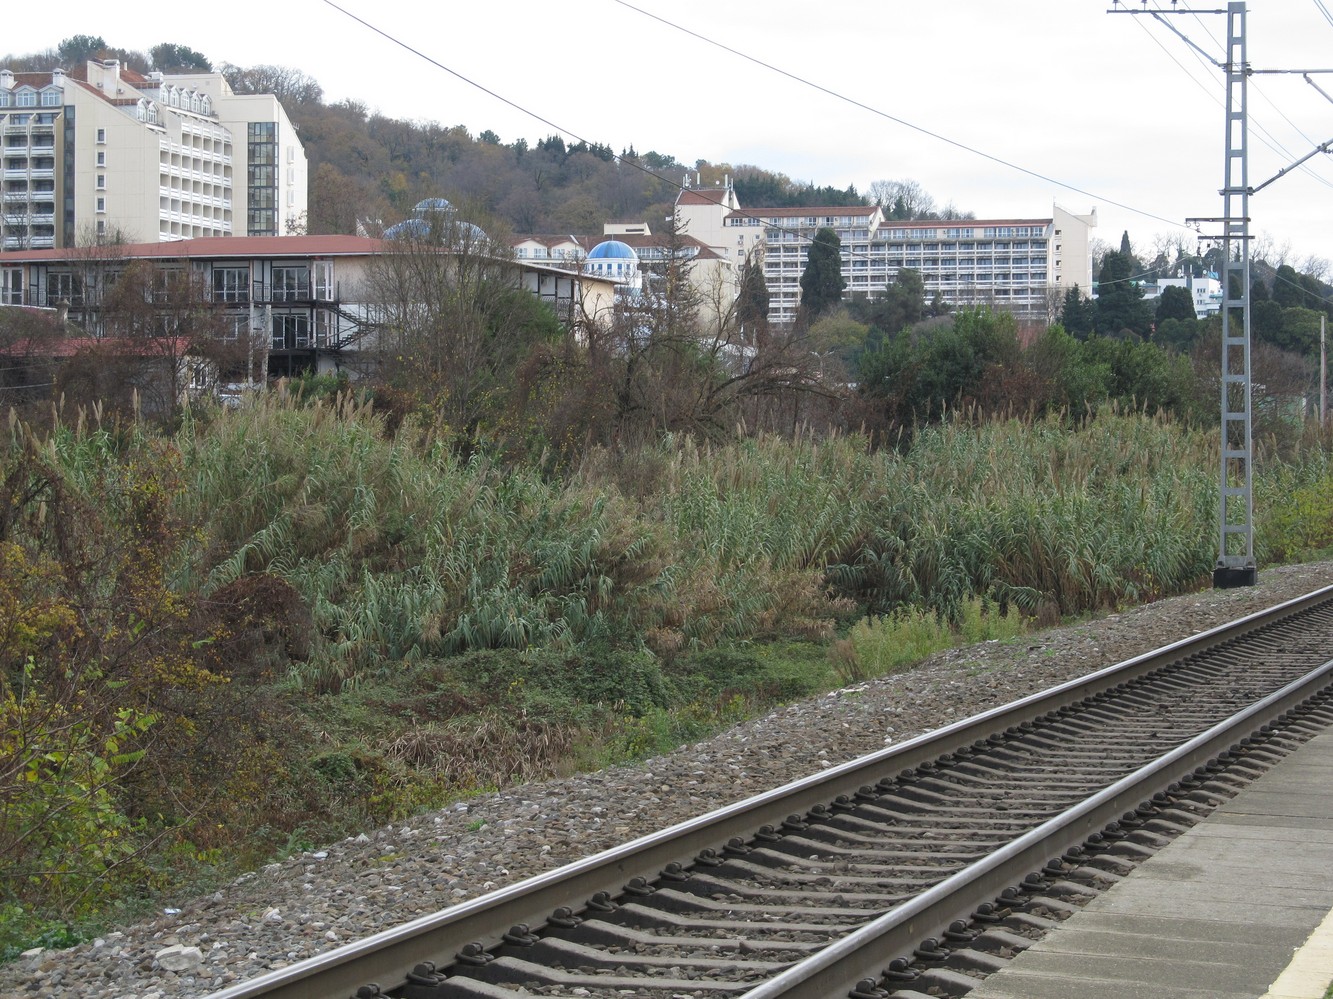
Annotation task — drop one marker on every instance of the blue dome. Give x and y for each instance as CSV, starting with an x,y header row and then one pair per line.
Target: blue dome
x,y
612,249
433,205
466,230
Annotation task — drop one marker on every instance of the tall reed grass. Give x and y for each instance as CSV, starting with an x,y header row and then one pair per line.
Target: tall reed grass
x,y
402,550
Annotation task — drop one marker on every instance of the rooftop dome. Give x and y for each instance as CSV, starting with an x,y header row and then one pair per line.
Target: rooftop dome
x,y
408,229
612,249
433,205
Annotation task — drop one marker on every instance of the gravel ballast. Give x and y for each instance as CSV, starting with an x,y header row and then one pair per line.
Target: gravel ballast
x,y
319,900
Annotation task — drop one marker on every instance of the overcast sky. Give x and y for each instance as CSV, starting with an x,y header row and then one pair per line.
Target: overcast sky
x,y
1112,111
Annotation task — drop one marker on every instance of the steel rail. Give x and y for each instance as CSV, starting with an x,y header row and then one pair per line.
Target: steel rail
x,y
387,957
837,969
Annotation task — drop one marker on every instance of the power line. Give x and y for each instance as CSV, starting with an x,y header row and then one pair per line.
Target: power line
x,y
852,254
866,107
753,213
893,118
1265,136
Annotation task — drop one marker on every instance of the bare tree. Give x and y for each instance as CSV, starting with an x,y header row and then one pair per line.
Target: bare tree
x,y
454,322
163,339
1170,248
1267,248
1315,267
290,86
1097,250
903,199
681,360
28,340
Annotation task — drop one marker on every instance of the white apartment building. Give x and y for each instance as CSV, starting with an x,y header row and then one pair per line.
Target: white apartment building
x,y
1013,264
103,149
1022,265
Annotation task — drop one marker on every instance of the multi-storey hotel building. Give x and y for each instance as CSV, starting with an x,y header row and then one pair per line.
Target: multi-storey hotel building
x,y
103,150
1021,265
1014,264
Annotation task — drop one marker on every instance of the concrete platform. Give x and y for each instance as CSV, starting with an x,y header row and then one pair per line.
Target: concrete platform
x,y
1236,908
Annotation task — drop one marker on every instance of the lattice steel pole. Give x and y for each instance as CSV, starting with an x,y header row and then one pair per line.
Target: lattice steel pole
x,y
1235,560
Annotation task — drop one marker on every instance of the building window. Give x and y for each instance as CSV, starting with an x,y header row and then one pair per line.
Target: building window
x,y
169,283
291,284
325,329
101,158
64,287
324,280
236,328
291,332
101,204
27,99
101,227
231,284
101,182
101,135
11,286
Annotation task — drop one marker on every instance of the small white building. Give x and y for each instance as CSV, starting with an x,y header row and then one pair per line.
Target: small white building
x,y
1206,290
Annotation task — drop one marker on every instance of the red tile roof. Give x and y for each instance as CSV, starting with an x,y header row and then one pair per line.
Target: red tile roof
x,y
72,346
213,246
818,212
957,223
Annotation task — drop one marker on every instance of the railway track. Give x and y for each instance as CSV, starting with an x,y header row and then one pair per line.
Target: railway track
x,y
852,881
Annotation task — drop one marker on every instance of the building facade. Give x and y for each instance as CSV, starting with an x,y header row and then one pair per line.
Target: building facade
x,y
299,303
1021,265
104,151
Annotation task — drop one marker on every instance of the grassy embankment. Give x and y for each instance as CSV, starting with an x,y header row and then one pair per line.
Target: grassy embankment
x,y
285,623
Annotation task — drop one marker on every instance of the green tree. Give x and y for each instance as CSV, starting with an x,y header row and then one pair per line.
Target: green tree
x,y
1079,314
1120,305
1178,334
1288,291
78,49
834,338
169,57
752,301
1175,302
1298,332
1127,251
1070,379
916,377
822,281
1266,320
903,303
